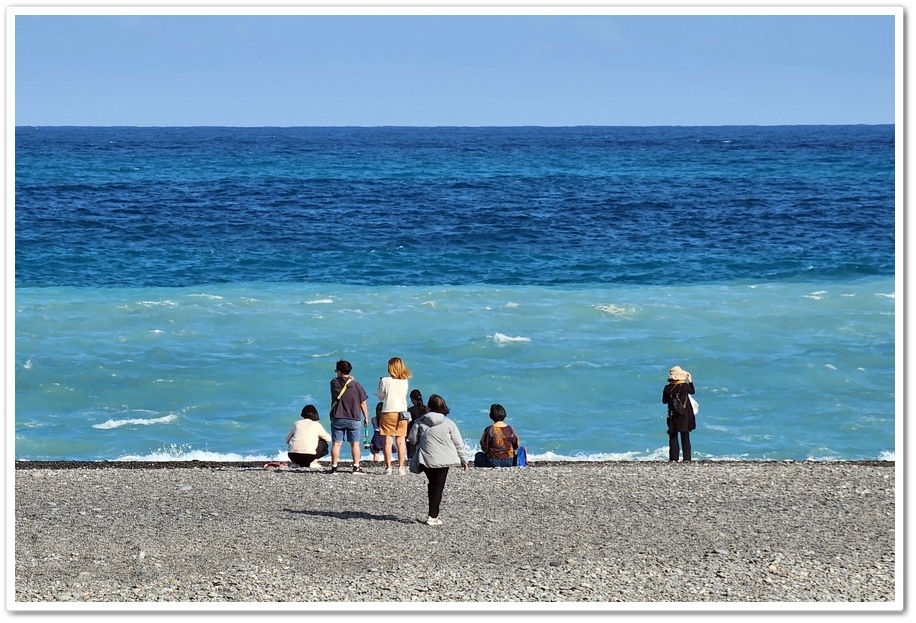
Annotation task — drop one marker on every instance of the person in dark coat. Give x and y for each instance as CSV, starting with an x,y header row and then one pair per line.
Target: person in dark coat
x,y
680,420
417,410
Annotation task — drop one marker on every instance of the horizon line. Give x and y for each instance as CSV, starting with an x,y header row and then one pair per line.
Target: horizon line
x,y
484,126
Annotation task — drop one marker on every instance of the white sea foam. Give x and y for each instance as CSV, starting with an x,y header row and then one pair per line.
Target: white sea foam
x,y
616,310
165,303
109,424
187,453
215,297
501,338
320,302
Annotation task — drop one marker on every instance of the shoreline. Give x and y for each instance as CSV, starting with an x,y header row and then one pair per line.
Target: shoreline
x,y
600,536
195,464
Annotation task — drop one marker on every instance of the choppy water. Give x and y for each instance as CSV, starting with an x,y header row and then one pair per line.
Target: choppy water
x,y
182,292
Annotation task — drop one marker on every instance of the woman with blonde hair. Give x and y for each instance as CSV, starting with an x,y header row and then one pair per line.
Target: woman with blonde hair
x,y
392,391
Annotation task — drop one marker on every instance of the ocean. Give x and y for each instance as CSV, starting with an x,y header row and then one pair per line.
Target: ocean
x,y
181,293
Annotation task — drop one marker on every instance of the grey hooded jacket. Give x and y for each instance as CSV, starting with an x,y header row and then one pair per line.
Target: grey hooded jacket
x,y
438,441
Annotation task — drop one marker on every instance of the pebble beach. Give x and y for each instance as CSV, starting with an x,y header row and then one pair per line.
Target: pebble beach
x,y
603,536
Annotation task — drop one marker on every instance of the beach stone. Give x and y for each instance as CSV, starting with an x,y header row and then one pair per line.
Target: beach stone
x,y
580,533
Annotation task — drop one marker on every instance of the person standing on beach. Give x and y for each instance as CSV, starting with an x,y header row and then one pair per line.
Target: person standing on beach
x,y
392,391
499,443
439,446
348,407
307,440
681,418
417,409
377,444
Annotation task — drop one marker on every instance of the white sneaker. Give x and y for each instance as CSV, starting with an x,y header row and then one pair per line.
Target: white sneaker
x,y
402,471
387,471
433,521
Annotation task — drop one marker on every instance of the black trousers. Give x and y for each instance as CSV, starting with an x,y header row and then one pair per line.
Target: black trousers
x,y
674,450
434,487
304,460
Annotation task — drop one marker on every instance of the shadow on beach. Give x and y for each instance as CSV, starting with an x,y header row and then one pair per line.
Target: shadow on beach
x,y
350,515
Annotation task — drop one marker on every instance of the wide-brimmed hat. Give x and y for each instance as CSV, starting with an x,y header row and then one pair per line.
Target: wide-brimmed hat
x,y
677,374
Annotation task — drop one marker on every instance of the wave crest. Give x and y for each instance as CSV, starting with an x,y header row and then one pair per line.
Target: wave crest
x,y
109,424
503,338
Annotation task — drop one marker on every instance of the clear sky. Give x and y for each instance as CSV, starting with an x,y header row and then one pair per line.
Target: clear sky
x,y
465,70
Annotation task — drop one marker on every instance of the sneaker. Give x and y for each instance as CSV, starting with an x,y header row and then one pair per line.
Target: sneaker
x,y
402,471
357,469
433,521
333,469
387,471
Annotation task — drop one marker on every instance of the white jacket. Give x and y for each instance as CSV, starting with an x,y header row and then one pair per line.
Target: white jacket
x,y
393,394
303,436
438,441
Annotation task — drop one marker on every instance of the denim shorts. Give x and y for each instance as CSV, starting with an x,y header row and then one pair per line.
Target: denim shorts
x,y
343,429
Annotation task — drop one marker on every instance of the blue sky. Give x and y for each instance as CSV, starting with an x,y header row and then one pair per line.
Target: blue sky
x,y
465,70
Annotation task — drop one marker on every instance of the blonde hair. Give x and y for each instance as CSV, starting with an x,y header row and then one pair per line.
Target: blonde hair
x,y
397,369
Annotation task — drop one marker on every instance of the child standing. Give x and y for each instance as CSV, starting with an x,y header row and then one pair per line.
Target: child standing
x,y
378,439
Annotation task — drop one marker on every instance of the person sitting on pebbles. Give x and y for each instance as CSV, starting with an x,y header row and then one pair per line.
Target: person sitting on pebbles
x,y
307,440
499,443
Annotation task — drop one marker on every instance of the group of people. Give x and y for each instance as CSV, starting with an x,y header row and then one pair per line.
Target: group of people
x,y
420,433
424,435
379,441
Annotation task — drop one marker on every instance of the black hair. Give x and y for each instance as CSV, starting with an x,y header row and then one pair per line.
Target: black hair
x,y
309,412
497,413
343,366
437,404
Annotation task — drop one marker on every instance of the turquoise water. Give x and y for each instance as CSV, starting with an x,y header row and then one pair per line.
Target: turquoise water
x,y
783,371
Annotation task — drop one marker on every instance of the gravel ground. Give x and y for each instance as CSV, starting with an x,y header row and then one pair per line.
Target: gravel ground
x,y
583,533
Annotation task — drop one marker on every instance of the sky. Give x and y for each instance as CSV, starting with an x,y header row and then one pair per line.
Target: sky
x,y
473,69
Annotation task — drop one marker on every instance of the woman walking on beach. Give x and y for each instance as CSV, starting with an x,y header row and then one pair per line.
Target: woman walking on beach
x,y
438,446
681,418
392,391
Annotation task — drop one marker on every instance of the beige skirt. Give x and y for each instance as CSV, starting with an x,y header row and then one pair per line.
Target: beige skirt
x,y
392,424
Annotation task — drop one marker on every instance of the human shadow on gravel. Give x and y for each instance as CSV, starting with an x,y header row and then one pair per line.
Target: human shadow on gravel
x,y
351,515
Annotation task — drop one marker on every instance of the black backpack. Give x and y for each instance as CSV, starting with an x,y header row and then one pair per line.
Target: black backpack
x,y
678,406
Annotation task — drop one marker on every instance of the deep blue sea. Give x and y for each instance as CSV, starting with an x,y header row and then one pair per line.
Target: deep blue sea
x,y
181,293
